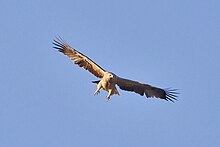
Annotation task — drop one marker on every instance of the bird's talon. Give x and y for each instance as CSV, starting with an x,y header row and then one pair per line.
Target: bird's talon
x,y
108,99
97,92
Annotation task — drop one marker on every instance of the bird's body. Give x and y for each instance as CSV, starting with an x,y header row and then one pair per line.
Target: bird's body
x,y
108,83
109,80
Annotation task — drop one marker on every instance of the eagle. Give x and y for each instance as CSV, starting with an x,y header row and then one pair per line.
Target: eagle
x,y
109,80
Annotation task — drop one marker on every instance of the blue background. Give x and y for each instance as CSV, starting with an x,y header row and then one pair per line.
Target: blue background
x,y
47,101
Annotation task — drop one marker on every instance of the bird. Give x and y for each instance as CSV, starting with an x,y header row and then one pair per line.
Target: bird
x,y
109,80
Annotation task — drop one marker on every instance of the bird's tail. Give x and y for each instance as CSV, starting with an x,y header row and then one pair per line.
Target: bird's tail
x,y
96,81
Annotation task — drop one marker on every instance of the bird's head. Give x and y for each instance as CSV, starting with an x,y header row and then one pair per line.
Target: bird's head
x,y
110,76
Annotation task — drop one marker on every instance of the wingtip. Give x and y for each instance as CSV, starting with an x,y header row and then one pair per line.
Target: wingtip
x,y
171,94
58,43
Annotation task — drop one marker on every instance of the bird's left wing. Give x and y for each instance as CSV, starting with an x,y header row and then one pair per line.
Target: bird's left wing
x,y
78,58
147,90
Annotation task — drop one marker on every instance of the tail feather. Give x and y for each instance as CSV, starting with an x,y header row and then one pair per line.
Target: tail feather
x,y
96,81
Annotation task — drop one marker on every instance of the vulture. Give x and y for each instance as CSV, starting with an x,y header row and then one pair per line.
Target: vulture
x,y
109,80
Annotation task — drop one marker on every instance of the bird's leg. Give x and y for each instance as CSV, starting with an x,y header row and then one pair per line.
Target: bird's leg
x,y
99,86
116,91
108,98
109,94
97,91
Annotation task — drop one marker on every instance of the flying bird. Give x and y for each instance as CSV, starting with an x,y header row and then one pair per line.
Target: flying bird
x,y
109,80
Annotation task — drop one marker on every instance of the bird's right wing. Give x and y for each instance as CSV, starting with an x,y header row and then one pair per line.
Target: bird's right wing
x,y
78,58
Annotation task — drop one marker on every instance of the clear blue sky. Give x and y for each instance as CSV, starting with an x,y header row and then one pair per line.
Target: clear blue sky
x,y
46,101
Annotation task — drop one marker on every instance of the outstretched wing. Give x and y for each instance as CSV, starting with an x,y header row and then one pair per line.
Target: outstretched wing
x,y
147,90
78,58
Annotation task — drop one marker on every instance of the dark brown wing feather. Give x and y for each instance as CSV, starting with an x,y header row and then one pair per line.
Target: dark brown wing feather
x,y
78,58
147,90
